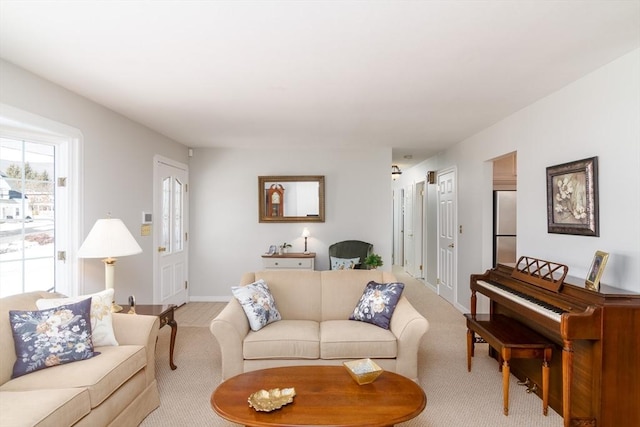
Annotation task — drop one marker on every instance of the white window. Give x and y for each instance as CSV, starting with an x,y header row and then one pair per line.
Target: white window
x,y
38,204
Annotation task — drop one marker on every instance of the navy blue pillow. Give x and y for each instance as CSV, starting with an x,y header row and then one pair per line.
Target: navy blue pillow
x,y
377,303
51,337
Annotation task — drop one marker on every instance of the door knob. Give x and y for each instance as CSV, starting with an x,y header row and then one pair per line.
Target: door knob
x,y
451,245
162,249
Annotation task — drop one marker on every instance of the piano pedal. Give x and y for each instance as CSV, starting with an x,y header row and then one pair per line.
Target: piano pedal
x,y
531,386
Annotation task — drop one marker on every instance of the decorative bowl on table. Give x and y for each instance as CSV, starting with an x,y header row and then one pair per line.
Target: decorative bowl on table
x,y
363,371
270,400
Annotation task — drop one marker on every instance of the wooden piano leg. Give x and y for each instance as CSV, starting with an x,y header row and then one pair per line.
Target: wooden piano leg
x,y
470,348
545,381
506,355
567,378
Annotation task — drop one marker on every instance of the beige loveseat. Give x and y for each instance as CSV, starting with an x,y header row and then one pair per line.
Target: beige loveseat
x,y
117,387
315,330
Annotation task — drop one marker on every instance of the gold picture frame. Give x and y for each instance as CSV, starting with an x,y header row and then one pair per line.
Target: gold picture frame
x,y
596,270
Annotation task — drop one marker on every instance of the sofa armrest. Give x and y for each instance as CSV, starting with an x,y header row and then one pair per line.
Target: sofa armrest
x,y
229,328
142,330
409,326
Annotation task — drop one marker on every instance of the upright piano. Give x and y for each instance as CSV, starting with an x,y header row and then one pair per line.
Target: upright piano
x,y
595,369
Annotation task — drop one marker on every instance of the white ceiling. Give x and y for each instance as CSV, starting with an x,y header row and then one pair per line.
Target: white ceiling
x,y
416,76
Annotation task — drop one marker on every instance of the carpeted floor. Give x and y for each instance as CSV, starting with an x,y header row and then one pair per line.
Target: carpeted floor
x,y
454,396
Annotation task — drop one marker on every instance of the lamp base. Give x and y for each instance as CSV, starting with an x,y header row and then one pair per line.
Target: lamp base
x,y
115,308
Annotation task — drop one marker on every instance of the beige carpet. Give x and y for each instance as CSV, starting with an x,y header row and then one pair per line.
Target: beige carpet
x,y
454,396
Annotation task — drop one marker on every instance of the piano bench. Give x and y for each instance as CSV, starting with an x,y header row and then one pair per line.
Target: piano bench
x,y
512,340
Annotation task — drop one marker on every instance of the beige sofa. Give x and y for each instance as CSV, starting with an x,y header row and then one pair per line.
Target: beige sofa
x,y
117,387
315,330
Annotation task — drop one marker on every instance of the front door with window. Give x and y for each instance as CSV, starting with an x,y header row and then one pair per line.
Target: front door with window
x,y
171,212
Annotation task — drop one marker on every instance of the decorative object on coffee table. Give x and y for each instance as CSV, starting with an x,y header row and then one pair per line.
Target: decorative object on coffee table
x,y
363,371
270,400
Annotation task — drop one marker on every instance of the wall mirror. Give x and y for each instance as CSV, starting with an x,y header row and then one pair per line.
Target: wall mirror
x,y
291,198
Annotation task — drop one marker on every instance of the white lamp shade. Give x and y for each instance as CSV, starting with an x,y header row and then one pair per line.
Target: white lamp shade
x,y
305,232
109,238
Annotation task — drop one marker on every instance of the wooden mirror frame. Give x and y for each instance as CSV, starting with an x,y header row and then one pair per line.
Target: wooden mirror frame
x,y
262,202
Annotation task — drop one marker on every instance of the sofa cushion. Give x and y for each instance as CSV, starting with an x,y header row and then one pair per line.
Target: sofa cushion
x,y
342,289
41,408
101,318
345,339
288,339
258,304
51,337
26,301
101,375
377,304
344,263
298,292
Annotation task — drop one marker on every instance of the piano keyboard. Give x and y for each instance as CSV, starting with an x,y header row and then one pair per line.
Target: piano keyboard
x,y
541,307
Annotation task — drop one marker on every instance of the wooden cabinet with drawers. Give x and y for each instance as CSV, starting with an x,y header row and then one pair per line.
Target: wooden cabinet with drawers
x,y
295,261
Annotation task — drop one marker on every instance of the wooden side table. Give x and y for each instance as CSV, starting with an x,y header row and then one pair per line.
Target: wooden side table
x,y
165,314
292,260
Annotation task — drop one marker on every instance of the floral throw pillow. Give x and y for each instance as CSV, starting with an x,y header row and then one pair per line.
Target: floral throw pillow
x,y
344,263
51,337
377,303
258,304
101,318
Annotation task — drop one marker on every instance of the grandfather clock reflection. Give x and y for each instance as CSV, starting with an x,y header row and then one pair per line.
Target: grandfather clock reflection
x,y
275,200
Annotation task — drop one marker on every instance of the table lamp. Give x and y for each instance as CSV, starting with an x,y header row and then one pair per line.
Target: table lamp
x,y
305,234
109,238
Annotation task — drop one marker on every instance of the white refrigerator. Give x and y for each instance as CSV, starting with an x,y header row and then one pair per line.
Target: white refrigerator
x,y
504,227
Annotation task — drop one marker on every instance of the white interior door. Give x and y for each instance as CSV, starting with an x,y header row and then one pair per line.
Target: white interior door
x,y
408,230
398,230
446,235
418,230
170,213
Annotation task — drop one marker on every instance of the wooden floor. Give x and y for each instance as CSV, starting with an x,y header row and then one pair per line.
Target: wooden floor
x,y
198,313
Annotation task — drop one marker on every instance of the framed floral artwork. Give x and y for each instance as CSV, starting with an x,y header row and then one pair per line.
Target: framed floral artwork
x,y
596,270
572,198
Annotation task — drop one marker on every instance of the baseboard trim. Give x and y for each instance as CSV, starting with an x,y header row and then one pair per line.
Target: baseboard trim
x,y
212,298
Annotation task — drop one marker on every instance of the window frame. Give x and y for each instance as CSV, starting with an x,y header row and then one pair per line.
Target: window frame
x,y
23,125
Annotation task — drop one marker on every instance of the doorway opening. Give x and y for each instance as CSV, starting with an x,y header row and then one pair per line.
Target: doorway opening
x,y
504,209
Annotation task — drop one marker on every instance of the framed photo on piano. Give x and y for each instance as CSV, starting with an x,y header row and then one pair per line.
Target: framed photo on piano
x,y
596,270
572,198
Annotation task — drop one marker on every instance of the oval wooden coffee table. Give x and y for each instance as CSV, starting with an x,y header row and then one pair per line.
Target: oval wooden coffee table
x,y
325,395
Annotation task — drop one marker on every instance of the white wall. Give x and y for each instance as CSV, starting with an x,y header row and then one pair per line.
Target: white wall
x,y
226,237
117,163
597,115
